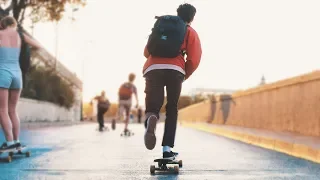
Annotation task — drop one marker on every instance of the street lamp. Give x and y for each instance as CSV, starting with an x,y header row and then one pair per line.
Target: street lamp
x,y
56,48
87,44
73,10
57,35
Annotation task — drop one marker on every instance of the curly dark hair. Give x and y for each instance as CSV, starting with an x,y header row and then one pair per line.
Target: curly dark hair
x,y
8,21
186,12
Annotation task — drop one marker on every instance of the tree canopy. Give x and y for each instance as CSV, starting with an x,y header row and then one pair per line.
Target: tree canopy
x,y
40,10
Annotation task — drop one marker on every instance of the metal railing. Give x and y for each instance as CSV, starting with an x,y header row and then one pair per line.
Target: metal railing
x,y
44,56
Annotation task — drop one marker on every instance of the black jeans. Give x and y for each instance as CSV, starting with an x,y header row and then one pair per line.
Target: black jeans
x,y
156,80
100,117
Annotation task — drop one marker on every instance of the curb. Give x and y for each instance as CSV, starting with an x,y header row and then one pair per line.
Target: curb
x,y
27,125
290,148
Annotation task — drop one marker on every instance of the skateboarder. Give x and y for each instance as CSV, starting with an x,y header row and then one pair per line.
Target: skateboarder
x,y
11,80
125,99
102,107
167,68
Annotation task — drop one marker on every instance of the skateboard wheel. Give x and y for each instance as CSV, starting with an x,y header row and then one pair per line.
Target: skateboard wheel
x,y
11,154
152,169
28,154
9,159
180,164
159,164
176,169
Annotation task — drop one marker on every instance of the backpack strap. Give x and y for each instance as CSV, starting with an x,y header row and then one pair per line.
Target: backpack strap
x,y
184,52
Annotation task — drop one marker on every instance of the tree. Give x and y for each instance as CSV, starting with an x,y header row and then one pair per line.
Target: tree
x,y
41,10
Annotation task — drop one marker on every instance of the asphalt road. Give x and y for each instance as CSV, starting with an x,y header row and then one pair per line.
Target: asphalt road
x,y
81,152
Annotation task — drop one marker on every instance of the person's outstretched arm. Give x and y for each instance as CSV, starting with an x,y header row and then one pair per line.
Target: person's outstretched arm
x,y
194,52
136,96
31,41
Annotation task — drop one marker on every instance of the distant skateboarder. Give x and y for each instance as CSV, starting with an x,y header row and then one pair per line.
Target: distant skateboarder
x,y
125,93
102,107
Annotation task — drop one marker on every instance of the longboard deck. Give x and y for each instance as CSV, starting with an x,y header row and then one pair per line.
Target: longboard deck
x,y
104,129
162,161
130,133
17,151
165,160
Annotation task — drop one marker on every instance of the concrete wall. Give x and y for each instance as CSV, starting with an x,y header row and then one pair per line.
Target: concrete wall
x,y
32,110
287,105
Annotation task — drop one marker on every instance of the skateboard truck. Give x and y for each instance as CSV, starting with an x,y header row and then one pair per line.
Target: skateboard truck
x,y
162,166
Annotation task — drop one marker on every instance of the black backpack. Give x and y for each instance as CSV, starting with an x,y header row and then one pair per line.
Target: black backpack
x,y
167,37
25,53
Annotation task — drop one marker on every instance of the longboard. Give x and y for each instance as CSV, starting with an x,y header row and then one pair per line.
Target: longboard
x,y
104,129
162,165
17,151
128,133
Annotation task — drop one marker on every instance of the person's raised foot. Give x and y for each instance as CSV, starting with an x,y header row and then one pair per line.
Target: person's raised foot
x,y
149,136
168,155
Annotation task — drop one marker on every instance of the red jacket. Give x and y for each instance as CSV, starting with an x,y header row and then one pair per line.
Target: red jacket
x,y
192,46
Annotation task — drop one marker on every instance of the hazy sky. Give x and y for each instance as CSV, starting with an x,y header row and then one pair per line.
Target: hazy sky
x,y
241,40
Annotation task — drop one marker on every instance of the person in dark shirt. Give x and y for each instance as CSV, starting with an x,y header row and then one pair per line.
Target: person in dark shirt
x,y
102,107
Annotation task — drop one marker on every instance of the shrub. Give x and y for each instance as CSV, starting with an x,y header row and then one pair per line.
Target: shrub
x,y
45,84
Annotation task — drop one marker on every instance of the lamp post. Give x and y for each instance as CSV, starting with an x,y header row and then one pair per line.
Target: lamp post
x,y
87,44
57,35
56,44
72,13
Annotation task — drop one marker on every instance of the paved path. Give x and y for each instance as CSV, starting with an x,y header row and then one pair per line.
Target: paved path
x,y
80,152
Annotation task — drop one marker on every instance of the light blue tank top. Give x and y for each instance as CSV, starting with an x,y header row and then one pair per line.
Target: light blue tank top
x,y
9,58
